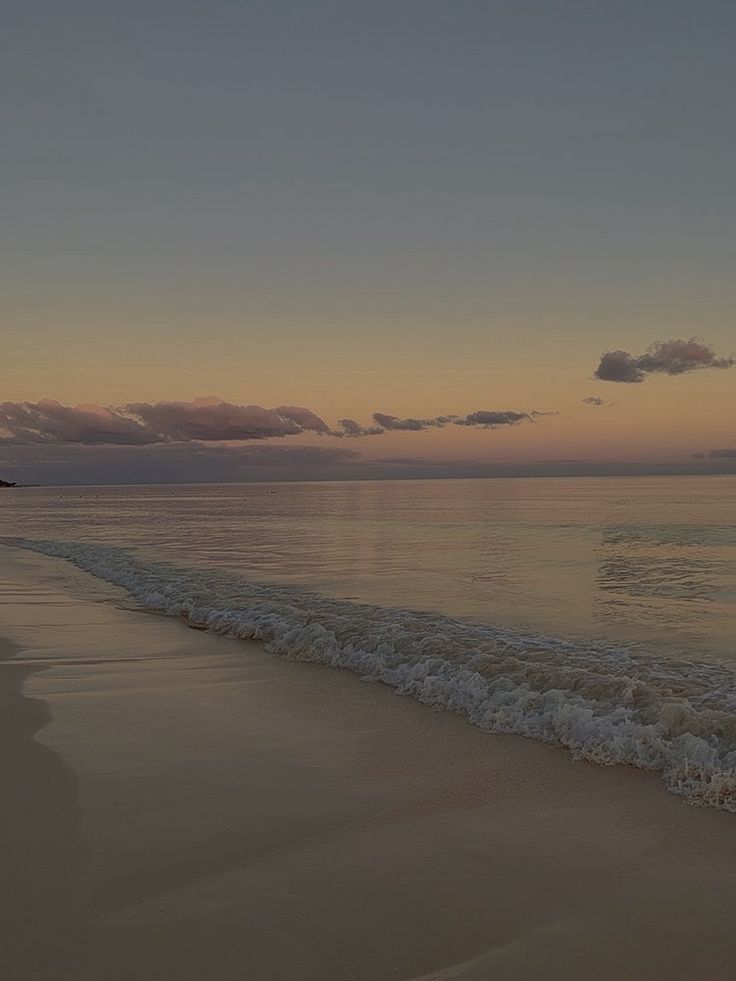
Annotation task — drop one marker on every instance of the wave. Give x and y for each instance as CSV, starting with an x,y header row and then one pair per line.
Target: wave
x,y
605,704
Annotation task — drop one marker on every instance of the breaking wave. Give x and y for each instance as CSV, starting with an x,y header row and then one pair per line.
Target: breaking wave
x,y
605,704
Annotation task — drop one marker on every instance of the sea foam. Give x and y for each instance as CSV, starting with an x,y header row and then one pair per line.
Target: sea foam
x,y
605,704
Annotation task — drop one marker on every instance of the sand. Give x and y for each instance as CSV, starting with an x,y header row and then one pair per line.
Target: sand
x,y
178,806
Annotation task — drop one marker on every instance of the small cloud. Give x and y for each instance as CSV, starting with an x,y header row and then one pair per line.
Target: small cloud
x,y
619,366
409,425
492,419
353,429
484,419
729,454
594,400
673,357
392,422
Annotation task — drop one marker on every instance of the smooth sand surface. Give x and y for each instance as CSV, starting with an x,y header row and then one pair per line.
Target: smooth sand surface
x,y
178,806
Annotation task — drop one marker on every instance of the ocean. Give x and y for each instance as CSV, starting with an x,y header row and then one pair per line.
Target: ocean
x,y
593,613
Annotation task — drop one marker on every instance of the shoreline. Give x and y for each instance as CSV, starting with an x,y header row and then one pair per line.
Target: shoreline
x,y
207,809
600,702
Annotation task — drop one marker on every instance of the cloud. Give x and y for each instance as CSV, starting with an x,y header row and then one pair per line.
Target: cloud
x,y
143,423
409,425
729,454
205,419
594,400
674,357
211,463
388,423
183,421
353,429
49,421
492,419
304,418
619,366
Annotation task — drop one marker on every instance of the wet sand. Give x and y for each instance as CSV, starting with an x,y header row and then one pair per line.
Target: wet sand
x,y
179,805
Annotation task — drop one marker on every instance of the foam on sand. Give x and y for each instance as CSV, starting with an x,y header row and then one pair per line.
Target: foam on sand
x,y
605,704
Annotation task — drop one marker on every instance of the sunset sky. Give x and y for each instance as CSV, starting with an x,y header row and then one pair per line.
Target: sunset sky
x,y
416,208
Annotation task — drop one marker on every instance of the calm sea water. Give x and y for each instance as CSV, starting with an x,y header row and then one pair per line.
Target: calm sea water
x,y
595,614
650,560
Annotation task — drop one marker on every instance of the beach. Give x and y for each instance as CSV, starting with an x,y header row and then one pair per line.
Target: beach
x,y
183,805
368,492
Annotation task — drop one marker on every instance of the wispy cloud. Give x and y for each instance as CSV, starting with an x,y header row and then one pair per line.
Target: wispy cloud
x,y
674,357
353,429
493,418
727,454
483,419
409,425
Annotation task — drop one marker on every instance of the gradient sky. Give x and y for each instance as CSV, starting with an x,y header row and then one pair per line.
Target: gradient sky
x,y
411,207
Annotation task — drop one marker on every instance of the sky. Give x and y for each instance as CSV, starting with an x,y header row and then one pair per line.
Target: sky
x,y
427,210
